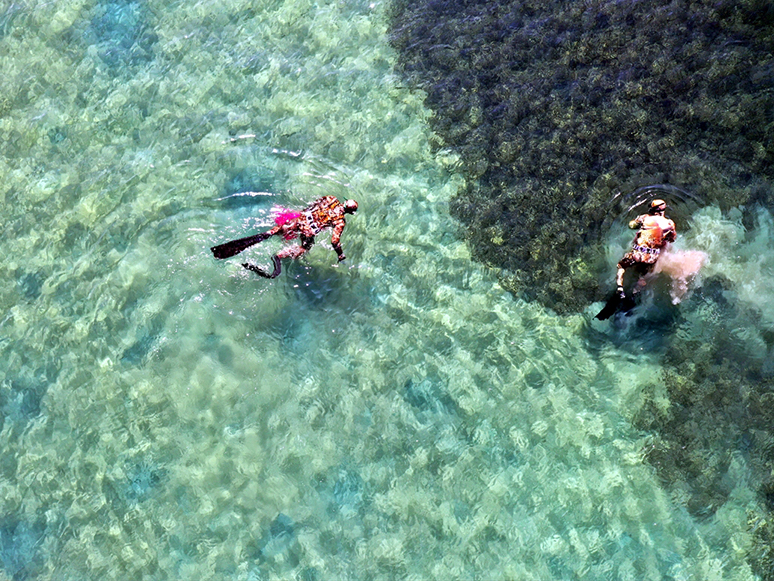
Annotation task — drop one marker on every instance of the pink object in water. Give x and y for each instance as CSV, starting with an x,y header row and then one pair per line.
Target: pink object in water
x,y
682,266
283,217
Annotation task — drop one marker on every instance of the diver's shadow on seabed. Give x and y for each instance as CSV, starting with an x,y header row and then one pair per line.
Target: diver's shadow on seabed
x,y
643,323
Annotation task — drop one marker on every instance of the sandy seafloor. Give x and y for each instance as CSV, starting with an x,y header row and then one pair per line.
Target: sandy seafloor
x,y
397,416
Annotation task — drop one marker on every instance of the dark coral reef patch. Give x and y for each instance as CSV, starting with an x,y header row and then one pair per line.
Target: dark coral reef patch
x,y
711,413
555,107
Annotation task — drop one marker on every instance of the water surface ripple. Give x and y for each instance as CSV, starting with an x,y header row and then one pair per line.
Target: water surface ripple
x,y
399,415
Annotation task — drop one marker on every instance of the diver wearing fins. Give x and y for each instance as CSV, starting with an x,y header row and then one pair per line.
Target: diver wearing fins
x,y
325,212
654,231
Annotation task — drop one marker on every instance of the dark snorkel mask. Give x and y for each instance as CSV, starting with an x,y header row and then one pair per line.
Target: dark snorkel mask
x,y
657,206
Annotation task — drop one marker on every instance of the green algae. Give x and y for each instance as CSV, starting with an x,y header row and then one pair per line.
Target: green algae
x,y
554,108
396,416
709,410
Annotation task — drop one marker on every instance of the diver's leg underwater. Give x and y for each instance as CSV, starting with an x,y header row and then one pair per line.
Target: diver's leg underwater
x,y
265,274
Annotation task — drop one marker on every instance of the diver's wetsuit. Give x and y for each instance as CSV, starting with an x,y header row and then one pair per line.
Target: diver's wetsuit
x,y
655,231
325,212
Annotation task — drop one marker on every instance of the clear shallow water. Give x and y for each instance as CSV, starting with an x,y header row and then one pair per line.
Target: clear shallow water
x,y
166,415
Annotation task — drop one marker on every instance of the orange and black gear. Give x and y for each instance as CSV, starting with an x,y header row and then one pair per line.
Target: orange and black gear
x,y
325,212
654,231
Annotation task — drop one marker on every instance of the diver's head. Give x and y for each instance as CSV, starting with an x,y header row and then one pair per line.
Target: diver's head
x,y
350,207
657,206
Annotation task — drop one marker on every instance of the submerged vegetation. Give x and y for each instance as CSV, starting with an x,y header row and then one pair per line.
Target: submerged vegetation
x,y
711,412
555,107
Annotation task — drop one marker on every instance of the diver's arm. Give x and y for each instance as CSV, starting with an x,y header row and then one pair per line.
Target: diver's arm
x,y
671,234
636,223
338,228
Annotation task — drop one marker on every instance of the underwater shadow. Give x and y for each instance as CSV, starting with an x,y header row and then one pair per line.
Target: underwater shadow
x,y
645,328
720,416
122,34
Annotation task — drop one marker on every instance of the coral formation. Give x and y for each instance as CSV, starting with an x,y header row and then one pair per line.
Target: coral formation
x,y
718,418
121,32
20,554
554,107
400,416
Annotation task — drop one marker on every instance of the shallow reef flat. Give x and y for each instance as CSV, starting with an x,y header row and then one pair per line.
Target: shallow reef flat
x,y
559,112
400,415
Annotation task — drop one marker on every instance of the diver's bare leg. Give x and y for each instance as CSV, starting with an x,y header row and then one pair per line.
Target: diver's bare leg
x,y
294,252
297,250
619,279
640,286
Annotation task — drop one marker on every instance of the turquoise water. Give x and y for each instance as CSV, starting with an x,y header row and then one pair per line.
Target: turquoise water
x,y
396,416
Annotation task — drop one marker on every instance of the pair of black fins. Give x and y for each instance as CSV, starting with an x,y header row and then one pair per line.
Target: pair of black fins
x,y
616,303
234,247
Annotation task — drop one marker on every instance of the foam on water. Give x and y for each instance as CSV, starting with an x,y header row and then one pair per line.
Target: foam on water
x,y
742,256
394,416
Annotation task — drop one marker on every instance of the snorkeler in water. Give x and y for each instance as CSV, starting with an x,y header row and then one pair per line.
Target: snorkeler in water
x,y
654,231
325,212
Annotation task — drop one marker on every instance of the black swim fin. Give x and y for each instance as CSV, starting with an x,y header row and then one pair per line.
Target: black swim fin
x,y
617,302
610,308
228,249
263,273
